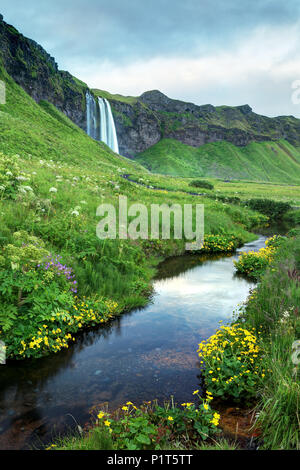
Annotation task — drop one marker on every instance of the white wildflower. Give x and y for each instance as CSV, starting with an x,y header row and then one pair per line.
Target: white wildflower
x,y
22,178
53,190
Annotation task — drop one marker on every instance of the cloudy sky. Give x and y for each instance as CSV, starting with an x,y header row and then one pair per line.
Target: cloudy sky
x,y
206,51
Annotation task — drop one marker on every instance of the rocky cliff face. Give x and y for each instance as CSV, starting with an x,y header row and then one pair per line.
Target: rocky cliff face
x,y
138,128
140,122
37,73
153,116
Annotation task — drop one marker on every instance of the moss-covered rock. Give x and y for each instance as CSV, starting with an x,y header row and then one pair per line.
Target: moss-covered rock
x,y
37,72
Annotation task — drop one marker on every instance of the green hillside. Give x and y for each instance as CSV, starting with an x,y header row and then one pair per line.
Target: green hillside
x,y
53,177
266,161
45,132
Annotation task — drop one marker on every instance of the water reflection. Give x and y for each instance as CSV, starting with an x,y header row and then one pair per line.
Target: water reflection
x,y
145,354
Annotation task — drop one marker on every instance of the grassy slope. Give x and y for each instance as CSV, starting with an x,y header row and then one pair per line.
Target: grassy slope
x,y
124,99
268,161
240,188
40,132
44,132
273,309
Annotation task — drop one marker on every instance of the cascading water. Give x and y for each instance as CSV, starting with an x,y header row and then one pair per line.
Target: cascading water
x,y
103,121
108,133
92,116
100,123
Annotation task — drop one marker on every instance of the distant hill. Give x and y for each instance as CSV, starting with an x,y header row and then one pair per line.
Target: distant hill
x,y
145,120
163,134
277,161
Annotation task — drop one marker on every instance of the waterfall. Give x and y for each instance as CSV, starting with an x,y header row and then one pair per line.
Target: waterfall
x,y
103,121
108,133
100,123
92,118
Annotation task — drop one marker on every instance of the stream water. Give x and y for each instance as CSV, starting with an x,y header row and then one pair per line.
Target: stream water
x,y
145,354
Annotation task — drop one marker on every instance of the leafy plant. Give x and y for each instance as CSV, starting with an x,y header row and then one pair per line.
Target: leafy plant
x,y
232,359
219,243
273,209
255,263
153,427
201,184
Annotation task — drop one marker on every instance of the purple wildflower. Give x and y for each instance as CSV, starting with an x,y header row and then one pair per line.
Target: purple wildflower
x,y
53,262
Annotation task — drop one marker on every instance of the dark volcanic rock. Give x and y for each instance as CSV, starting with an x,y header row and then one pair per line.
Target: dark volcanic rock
x,y
37,73
153,116
140,122
138,128
157,101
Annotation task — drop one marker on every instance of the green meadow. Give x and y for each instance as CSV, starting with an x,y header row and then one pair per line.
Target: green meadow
x,y
277,161
52,179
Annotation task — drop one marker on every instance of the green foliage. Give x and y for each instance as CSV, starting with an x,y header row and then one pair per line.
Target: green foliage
x,y
277,161
37,304
11,177
233,363
96,439
294,232
220,243
273,209
255,263
29,293
273,308
292,217
201,184
135,433
278,407
153,427
25,252
115,97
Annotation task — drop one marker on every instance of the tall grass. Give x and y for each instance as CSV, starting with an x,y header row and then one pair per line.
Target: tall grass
x,y
274,311
279,408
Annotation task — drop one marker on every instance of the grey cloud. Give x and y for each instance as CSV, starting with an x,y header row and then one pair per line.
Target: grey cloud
x,y
129,30
82,33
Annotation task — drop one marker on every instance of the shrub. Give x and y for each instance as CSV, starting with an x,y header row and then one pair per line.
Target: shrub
x,y
152,426
232,360
201,184
33,285
12,180
292,217
47,334
274,309
255,263
219,243
273,209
